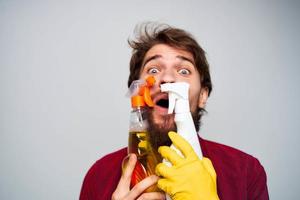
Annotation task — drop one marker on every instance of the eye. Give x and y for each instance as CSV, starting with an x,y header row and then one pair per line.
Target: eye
x,y
184,71
153,70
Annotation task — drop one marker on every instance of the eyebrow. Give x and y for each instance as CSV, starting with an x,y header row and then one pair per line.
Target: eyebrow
x,y
183,58
186,59
151,58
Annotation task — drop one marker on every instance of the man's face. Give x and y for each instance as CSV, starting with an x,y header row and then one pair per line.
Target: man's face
x,y
168,64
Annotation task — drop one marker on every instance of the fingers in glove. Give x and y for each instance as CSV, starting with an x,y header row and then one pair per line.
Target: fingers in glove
x,y
165,185
170,154
181,144
164,170
209,167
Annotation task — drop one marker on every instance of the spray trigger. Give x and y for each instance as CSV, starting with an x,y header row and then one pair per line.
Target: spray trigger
x,y
177,91
139,92
172,100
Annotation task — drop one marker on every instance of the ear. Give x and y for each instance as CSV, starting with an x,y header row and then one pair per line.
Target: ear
x,y
203,97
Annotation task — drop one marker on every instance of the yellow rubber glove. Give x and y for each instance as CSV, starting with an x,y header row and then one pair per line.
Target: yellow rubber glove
x,y
189,178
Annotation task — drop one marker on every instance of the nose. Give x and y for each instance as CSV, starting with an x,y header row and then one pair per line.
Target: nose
x,y
167,77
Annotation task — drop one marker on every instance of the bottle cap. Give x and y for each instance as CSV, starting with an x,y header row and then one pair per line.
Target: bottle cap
x,y
137,101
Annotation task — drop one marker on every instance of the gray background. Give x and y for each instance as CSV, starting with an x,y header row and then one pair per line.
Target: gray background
x,y
63,73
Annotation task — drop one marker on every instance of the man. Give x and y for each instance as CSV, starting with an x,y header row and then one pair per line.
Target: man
x,y
172,55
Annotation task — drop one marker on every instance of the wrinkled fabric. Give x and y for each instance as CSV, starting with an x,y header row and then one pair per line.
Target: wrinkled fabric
x,y
240,176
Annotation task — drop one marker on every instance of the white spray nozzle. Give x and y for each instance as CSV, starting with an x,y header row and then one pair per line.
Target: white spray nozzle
x,y
179,101
177,91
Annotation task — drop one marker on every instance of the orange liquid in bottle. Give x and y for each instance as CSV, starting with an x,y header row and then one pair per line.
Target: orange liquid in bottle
x,y
147,158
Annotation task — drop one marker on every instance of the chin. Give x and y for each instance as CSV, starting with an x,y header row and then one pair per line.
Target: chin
x,y
164,122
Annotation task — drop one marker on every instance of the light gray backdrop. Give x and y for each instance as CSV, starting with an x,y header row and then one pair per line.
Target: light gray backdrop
x,y
64,69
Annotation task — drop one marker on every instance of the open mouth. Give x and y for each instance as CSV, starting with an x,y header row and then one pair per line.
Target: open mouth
x,y
164,103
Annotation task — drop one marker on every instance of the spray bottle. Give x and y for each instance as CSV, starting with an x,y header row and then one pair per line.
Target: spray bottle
x,y
179,101
139,144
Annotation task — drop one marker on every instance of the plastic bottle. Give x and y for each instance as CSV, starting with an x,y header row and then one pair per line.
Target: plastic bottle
x,y
179,101
139,143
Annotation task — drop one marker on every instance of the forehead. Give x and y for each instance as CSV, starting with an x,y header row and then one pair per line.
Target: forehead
x,y
167,52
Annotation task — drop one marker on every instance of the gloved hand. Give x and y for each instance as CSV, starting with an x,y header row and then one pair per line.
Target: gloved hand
x,y
189,178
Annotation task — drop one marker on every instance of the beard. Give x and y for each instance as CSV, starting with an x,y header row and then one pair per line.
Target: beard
x,y
158,132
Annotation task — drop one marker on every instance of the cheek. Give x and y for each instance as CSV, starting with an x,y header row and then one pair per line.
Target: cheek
x,y
154,90
193,99
194,94
194,102
142,75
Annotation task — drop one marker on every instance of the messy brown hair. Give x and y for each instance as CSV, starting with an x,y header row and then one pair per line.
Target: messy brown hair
x,y
150,34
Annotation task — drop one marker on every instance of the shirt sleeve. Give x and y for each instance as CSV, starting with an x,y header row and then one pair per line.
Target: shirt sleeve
x,y
102,178
256,181
88,186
